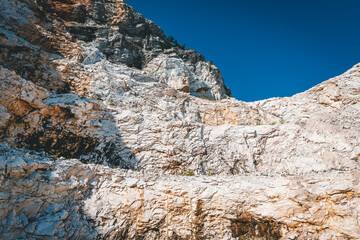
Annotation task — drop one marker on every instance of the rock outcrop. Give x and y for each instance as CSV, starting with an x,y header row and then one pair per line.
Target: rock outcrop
x,y
90,88
70,200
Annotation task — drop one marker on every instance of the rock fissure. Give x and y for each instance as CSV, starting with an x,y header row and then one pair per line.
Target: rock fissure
x,y
91,88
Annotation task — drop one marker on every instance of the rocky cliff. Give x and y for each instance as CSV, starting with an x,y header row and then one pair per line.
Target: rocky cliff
x,y
110,131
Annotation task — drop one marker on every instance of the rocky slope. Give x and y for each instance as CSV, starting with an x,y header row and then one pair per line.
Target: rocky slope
x,y
70,200
93,80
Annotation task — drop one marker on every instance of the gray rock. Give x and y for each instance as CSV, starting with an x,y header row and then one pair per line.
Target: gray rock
x,y
46,228
17,162
30,228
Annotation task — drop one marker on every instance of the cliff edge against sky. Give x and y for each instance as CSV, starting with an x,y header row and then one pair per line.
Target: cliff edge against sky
x,y
110,131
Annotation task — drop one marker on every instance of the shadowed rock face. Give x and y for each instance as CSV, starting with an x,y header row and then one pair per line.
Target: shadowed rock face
x,y
61,124
95,81
94,30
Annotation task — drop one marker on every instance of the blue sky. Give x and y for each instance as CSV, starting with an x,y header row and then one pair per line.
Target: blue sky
x,y
265,48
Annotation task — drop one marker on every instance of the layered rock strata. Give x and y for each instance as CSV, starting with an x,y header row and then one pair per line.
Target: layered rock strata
x,y
95,81
71,200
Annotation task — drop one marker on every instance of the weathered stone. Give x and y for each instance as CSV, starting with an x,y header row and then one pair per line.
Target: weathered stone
x,y
131,182
94,81
192,207
17,162
46,228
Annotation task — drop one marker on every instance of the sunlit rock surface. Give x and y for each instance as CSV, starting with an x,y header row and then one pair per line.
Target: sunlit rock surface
x,y
68,199
92,81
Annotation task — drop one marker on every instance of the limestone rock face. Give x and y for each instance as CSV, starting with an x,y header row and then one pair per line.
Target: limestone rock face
x,y
92,81
44,205
70,200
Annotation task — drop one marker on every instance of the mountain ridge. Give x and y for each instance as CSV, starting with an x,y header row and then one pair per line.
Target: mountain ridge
x,y
107,127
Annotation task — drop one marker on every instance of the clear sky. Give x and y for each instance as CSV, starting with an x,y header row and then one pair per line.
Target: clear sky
x,y
265,48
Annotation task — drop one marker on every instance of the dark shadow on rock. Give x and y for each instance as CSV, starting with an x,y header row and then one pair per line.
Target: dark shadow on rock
x,y
247,226
30,62
64,124
94,139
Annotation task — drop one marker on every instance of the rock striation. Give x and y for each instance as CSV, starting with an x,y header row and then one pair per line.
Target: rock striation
x,y
67,199
110,131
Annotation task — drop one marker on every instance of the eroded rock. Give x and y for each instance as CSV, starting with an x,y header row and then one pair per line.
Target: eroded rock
x,y
95,81
117,204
